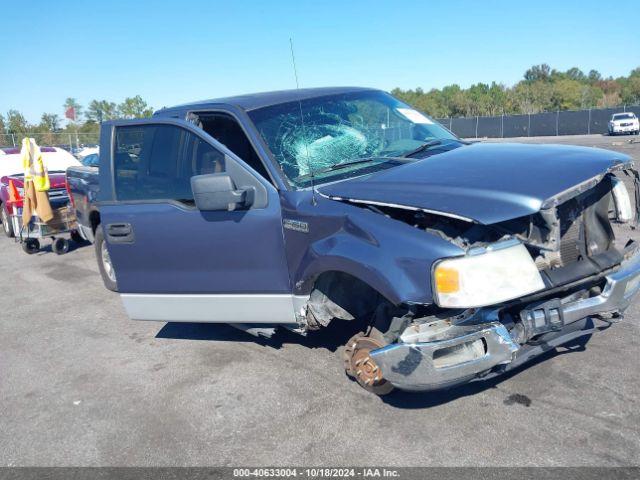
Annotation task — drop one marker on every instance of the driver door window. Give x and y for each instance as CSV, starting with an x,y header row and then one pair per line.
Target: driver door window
x,y
156,162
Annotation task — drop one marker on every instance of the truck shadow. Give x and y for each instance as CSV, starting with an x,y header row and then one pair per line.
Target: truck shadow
x,y
333,338
329,338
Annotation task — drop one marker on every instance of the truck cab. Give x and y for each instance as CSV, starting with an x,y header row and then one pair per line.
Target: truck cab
x,y
295,209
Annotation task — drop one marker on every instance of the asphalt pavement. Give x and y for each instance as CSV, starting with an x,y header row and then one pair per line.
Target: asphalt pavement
x,y
82,385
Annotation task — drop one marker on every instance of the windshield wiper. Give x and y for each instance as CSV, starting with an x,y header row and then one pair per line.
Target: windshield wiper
x,y
339,166
422,148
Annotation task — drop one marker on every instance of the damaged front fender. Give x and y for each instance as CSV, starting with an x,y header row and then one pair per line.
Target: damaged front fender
x,y
393,258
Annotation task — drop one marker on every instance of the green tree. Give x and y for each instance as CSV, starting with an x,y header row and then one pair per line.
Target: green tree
x,y
135,107
4,138
101,110
590,96
538,72
631,90
566,94
576,74
49,122
542,89
532,97
594,76
16,123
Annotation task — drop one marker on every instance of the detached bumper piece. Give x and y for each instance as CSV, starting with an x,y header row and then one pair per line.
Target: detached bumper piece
x,y
461,353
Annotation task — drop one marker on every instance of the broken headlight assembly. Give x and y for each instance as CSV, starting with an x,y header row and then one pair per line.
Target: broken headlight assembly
x,y
486,276
621,200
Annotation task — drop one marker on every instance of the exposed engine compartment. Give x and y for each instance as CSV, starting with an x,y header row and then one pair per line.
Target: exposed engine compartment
x,y
571,241
558,236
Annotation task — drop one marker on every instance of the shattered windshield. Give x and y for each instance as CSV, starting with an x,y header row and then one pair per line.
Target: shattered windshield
x,y
324,136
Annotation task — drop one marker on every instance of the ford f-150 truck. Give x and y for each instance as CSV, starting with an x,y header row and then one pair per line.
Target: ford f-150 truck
x,y
298,208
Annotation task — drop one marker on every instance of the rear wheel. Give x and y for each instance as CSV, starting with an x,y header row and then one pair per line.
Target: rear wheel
x,y
359,365
7,227
107,271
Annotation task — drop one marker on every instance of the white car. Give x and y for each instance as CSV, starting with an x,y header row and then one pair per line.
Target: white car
x,y
85,151
55,160
624,123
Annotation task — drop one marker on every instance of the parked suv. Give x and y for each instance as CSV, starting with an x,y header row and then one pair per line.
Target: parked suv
x,y
297,209
624,123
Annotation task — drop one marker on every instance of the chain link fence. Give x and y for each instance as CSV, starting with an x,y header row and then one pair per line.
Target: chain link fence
x,y
68,141
563,122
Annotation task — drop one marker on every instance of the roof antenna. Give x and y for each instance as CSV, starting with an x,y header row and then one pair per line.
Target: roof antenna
x,y
304,132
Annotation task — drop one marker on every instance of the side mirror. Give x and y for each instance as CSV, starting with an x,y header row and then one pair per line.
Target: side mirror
x,y
216,191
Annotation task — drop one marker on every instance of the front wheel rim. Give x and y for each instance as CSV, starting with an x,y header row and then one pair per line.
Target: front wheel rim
x,y
106,262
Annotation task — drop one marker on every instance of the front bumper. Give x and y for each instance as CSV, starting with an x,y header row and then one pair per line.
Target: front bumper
x,y
419,365
625,129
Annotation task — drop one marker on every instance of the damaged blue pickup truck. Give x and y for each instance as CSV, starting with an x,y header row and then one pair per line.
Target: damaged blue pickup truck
x,y
296,209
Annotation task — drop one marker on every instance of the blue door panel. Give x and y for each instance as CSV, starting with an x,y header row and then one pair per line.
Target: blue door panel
x,y
182,250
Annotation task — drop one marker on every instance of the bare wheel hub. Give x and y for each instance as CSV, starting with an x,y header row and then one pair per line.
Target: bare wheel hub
x,y
359,365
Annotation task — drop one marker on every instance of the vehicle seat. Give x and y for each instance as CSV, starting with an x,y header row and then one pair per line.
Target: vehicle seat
x,y
211,162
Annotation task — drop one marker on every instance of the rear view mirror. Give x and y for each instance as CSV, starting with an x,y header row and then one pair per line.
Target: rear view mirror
x,y
217,191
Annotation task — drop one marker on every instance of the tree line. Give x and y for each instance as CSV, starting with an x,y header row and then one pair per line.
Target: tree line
x,y
87,120
541,89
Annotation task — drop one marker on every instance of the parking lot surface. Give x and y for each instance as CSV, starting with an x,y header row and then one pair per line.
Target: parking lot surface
x,y
80,384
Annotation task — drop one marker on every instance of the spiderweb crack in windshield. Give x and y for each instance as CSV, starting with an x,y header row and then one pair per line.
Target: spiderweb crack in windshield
x,y
323,142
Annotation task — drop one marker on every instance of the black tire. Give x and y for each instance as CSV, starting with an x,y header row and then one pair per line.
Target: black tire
x,y
31,246
105,266
76,237
7,227
60,246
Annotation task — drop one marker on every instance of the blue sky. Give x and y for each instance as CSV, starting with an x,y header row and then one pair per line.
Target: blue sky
x,y
174,52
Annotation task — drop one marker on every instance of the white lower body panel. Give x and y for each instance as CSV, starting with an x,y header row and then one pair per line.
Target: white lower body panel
x,y
222,308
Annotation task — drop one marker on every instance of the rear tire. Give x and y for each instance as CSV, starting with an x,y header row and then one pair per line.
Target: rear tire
x,y
105,266
7,227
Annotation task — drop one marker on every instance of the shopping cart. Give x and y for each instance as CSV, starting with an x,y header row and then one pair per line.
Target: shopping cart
x,y
63,223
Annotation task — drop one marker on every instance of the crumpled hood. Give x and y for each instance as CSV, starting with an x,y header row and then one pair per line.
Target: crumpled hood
x,y
484,182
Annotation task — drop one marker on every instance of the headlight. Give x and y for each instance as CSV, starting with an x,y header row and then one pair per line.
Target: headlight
x,y
499,273
621,200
